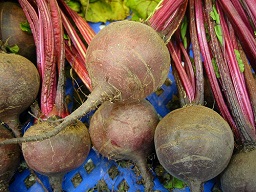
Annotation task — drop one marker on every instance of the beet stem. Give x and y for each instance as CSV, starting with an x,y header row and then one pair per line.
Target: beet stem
x,y
196,186
140,161
101,93
56,181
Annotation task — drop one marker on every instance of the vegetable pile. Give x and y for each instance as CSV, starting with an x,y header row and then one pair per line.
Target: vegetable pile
x,y
206,42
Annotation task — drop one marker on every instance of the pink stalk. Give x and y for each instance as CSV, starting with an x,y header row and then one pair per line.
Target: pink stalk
x,y
48,91
168,16
74,36
78,65
244,16
237,76
247,39
60,57
181,72
84,28
199,75
209,67
33,20
251,7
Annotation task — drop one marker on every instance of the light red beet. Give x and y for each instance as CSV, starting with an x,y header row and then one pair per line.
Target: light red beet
x,y
9,159
126,61
194,144
125,131
57,155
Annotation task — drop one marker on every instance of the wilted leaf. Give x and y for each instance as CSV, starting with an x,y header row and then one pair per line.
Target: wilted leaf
x,y
104,10
141,9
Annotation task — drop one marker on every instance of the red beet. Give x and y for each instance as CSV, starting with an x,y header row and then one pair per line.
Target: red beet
x,y
240,174
126,61
194,144
125,131
58,155
9,159
19,87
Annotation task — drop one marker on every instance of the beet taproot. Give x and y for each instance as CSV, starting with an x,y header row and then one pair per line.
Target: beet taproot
x,y
9,159
194,144
56,156
125,131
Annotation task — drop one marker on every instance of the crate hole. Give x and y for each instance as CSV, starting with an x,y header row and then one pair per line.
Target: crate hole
x,y
113,172
89,166
102,186
159,91
77,179
29,180
123,186
168,82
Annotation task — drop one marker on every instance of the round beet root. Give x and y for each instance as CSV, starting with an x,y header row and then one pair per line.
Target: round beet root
x,y
19,87
239,176
9,159
57,155
194,144
125,131
11,17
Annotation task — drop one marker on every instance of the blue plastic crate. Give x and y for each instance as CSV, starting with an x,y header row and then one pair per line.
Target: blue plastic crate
x,y
88,180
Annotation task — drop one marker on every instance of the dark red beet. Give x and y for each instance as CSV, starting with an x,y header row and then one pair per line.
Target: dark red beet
x,y
58,155
194,144
19,87
11,16
239,176
9,159
125,131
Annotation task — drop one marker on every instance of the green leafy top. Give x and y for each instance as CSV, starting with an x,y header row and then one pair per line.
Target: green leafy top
x,y
104,10
141,9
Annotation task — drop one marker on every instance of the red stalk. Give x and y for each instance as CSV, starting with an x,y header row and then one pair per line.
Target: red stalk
x,y
74,36
199,76
33,20
84,28
47,45
187,86
208,66
167,17
78,65
237,76
244,34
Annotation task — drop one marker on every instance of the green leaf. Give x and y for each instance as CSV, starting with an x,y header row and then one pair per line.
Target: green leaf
x,y
13,49
25,27
216,17
215,67
239,60
218,33
175,183
104,10
141,9
183,31
74,5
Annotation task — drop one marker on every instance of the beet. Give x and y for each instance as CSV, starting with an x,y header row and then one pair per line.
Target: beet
x,y
240,173
58,155
11,16
194,144
126,61
125,131
19,87
10,159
